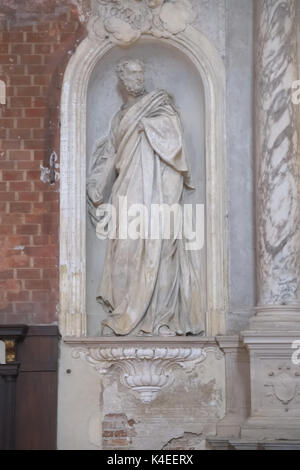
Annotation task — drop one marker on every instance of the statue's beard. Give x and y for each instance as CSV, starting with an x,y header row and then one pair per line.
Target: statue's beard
x,y
135,90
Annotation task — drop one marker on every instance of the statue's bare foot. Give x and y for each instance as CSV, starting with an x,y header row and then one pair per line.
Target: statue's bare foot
x,y
165,331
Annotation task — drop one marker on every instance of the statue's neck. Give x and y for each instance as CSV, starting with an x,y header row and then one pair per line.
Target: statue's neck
x,y
131,99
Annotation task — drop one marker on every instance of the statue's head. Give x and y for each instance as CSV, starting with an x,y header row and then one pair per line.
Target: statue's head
x,y
131,75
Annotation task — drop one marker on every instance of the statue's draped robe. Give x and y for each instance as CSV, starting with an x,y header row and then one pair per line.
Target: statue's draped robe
x,y
146,284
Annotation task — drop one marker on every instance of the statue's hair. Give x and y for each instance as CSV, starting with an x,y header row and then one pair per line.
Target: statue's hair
x,y
123,64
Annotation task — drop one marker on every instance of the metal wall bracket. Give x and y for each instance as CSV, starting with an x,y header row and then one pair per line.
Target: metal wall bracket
x,y
50,175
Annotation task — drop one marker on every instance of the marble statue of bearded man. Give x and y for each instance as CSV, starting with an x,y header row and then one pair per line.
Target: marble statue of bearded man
x,y
148,286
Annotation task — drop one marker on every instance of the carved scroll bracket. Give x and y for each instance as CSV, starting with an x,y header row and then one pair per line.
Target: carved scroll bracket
x,y
145,370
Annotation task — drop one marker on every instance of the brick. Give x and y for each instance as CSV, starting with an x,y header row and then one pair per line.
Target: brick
x,y
4,49
10,219
20,186
27,166
33,175
8,59
40,155
20,207
12,175
25,307
41,296
34,144
42,80
37,284
31,59
33,218
5,165
18,80
28,274
38,134
121,433
18,261
23,102
35,112
10,91
8,274
41,240
29,196
17,240
20,134
14,69
22,296
27,229
12,36
6,229
36,69
22,48
42,48
45,262
7,123
12,113
7,196
39,37
29,123
28,91
50,273
119,442
42,252
10,144
3,186
50,196
39,102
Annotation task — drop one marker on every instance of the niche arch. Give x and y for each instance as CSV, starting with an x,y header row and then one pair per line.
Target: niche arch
x,y
198,49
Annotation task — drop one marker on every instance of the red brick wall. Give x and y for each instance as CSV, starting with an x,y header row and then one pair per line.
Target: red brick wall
x,y
117,432
37,37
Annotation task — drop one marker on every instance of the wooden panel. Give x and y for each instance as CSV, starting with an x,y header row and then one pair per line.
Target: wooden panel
x,y
8,375
36,412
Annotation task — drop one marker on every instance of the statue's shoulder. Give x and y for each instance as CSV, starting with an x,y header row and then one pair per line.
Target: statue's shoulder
x,y
166,97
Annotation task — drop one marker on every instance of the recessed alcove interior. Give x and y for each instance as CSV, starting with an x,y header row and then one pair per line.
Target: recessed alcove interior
x,y
166,68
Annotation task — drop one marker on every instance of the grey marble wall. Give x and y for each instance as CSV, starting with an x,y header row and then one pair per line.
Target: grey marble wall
x,y
239,69
229,25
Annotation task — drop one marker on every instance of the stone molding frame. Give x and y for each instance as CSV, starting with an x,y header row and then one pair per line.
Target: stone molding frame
x,y
210,67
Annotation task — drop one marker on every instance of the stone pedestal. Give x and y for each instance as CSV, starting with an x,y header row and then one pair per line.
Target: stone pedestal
x,y
237,386
275,387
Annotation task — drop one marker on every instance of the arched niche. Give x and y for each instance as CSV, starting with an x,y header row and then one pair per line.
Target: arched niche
x,y
91,53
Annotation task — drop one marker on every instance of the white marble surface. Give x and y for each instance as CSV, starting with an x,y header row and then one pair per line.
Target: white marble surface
x,y
278,215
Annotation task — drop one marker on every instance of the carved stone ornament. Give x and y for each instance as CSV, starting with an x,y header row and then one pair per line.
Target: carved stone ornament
x,y
124,21
283,385
146,371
